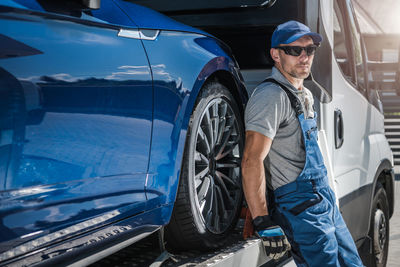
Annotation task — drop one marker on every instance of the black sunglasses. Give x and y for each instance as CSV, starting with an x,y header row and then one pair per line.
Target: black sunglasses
x,y
296,50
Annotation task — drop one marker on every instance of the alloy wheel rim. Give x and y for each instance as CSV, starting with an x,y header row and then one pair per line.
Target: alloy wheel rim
x,y
217,165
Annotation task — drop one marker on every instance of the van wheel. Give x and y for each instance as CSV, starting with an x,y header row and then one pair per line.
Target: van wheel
x,y
209,194
379,229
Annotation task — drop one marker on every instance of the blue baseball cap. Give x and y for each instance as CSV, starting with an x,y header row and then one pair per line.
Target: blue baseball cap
x,y
290,31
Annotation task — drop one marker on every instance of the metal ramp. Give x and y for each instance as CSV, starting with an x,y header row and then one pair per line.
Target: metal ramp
x,y
237,253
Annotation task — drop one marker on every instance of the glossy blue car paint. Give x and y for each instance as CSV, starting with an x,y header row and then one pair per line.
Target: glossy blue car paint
x,y
92,124
12,3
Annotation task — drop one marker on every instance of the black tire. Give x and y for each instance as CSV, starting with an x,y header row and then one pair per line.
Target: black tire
x,y
379,228
209,196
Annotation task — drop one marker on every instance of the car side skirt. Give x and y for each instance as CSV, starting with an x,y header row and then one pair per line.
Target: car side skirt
x,y
95,245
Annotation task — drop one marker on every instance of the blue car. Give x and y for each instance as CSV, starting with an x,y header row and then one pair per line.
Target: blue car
x,y
115,122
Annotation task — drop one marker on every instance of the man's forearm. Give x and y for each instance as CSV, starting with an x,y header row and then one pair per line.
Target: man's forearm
x,y
256,149
253,178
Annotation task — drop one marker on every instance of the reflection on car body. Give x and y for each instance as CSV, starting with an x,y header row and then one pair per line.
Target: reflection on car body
x,y
94,123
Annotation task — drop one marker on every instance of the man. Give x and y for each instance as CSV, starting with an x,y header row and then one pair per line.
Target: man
x,y
281,134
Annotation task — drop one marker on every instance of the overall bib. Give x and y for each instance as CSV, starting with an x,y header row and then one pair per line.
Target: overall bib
x,y
306,208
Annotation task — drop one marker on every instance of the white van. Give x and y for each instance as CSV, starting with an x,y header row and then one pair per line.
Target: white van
x,y
351,121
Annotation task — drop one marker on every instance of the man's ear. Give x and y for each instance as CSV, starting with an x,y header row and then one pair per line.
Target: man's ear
x,y
274,54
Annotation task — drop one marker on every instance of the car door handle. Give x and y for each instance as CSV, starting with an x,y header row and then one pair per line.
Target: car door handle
x,y
339,130
139,34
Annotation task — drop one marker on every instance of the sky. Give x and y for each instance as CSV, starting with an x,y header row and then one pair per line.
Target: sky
x,y
386,14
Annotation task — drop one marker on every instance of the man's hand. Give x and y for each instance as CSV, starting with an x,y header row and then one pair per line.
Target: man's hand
x,y
273,237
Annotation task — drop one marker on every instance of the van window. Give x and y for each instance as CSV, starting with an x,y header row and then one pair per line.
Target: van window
x,y
357,50
341,49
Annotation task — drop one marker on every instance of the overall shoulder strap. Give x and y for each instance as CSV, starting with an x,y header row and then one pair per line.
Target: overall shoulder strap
x,y
294,101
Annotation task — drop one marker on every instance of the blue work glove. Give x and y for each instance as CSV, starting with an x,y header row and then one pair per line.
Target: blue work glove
x,y
272,235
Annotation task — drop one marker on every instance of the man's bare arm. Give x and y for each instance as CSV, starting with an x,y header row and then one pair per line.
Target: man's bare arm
x,y
253,176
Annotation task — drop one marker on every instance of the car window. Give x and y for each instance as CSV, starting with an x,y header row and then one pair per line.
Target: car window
x,y
341,49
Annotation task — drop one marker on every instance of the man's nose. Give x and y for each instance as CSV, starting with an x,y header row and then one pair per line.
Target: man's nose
x,y
303,56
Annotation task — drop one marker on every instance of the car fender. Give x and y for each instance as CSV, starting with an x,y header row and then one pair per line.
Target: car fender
x,y
163,179
210,72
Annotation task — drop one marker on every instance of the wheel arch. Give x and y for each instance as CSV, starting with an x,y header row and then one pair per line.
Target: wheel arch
x,y
237,90
227,75
225,71
385,176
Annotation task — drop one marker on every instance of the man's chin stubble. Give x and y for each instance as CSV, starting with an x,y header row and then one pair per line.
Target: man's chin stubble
x,y
302,75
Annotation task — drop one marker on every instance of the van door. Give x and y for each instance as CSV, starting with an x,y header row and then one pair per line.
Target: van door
x,y
351,119
78,138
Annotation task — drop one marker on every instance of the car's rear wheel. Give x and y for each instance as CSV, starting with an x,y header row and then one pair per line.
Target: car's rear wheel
x,y
379,228
209,194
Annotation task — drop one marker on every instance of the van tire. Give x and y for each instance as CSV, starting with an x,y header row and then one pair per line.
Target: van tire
x,y
379,228
209,194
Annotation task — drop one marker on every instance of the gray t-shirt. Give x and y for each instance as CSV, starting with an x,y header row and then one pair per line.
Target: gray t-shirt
x,y
270,113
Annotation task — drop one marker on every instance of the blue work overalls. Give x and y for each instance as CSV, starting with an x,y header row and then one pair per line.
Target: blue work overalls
x,y
306,208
